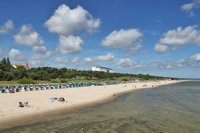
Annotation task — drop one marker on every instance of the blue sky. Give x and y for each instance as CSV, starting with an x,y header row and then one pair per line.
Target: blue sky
x,y
133,36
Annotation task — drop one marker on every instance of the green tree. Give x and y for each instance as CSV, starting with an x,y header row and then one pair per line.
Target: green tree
x,y
22,72
4,61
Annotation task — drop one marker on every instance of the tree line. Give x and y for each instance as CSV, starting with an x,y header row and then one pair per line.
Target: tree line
x,y
8,73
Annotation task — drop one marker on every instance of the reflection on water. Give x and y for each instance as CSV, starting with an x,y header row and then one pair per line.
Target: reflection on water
x,y
173,109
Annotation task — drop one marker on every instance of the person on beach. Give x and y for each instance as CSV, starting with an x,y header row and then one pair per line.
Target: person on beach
x,y
21,104
61,99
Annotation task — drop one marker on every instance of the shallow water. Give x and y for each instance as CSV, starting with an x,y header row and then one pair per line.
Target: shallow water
x,y
168,109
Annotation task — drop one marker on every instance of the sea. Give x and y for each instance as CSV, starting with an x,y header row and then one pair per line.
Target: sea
x,y
171,108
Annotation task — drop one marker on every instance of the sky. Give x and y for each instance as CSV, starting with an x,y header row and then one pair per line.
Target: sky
x,y
156,37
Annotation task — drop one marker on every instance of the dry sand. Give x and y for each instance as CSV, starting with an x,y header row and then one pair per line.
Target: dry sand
x,y
40,106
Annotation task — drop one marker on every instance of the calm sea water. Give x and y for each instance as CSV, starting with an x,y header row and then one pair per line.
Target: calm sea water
x,y
168,109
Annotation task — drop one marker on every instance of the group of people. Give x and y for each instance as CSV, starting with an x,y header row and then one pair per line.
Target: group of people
x,y
61,99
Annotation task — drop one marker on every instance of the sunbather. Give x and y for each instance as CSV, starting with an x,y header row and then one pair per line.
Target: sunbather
x,y
21,104
61,99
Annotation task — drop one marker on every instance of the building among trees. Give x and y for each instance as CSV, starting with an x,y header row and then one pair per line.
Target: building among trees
x,y
26,66
102,69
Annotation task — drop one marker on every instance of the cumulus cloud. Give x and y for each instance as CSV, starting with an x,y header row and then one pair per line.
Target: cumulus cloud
x,y
76,60
126,62
133,49
190,7
107,57
122,38
89,60
161,48
27,36
7,27
70,44
177,37
66,21
129,39
60,60
168,65
40,56
192,61
41,52
16,55
152,65
196,57
36,62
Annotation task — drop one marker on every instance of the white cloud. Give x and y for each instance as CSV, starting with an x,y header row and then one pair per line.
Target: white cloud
x,y
161,48
76,60
7,27
16,55
167,64
126,62
107,57
70,44
89,60
40,49
190,7
40,56
36,62
161,64
27,36
177,37
194,60
41,52
93,60
122,38
133,49
66,21
196,57
60,60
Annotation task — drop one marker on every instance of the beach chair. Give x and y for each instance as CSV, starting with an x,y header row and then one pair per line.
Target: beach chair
x,y
26,104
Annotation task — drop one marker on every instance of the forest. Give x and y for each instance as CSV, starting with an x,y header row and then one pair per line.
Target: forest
x,y
9,73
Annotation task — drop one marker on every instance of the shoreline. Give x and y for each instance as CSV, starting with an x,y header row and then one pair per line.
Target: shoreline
x,y
91,96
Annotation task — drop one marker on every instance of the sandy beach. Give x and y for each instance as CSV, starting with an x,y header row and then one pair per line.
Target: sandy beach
x,y
41,107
